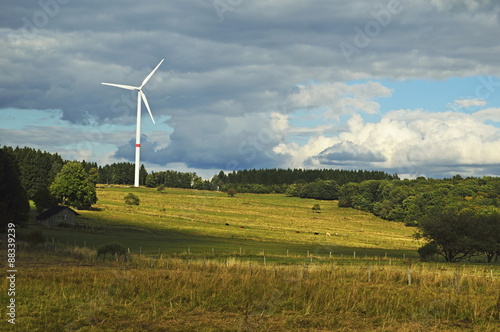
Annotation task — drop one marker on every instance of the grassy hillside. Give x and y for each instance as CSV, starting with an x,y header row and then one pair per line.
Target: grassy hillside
x,y
177,219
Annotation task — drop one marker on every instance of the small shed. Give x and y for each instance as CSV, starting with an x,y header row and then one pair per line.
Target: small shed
x,y
57,215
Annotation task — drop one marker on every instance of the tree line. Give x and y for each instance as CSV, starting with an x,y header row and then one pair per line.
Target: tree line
x,y
289,176
409,201
458,217
295,182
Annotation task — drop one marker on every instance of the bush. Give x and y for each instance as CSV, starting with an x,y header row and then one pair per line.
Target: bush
x,y
428,251
316,208
161,187
35,238
111,249
131,199
231,192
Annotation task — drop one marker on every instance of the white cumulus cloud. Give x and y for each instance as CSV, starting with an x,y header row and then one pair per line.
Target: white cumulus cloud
x,y
407,142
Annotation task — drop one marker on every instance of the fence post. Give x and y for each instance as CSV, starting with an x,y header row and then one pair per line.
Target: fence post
x,y
409,276
369,273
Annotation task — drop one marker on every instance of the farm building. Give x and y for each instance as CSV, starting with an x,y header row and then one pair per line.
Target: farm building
x,y
56,216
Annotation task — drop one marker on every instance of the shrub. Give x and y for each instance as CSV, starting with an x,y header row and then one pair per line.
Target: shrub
x,y
111,249
231,192
35,238
316,208
161,187
131,199
428,251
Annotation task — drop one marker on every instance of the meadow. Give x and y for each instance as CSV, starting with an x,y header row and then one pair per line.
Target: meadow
x,y
265,271
178,220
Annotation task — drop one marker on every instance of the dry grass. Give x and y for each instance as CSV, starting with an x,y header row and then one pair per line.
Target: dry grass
x,y
82,294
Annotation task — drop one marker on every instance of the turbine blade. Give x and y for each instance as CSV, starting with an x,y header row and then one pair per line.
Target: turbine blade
x,y
128,87
147,105
150,74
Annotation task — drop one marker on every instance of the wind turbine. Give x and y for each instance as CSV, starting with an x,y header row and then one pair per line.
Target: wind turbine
x,y
140,95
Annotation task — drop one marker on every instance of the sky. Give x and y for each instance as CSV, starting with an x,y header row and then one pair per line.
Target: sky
x,y
407,87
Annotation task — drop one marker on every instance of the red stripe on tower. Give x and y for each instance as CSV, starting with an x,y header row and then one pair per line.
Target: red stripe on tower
x,y
137,145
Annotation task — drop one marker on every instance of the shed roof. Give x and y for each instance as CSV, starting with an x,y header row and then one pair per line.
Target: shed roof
x,y
52,211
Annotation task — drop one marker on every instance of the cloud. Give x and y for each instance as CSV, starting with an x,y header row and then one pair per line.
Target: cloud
x,y
214,142
348,153
299,156
467,103
466,5
232,90
407,142
489,114
243,64
339,98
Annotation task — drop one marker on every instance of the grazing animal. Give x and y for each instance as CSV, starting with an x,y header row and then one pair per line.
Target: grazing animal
x,y
328,234
336,234
315,233
297,232
242,226
227,224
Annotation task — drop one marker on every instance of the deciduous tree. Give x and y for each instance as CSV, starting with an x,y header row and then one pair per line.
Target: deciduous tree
x,y
73,187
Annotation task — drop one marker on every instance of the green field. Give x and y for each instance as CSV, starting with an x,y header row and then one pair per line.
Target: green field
x,y
265,271
178,221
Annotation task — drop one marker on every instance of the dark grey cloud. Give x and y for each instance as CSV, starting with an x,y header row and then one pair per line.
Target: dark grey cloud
x,y
212,142
256,48
221,72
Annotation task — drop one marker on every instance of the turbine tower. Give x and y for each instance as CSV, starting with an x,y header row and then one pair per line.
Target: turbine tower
x,y
140,96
